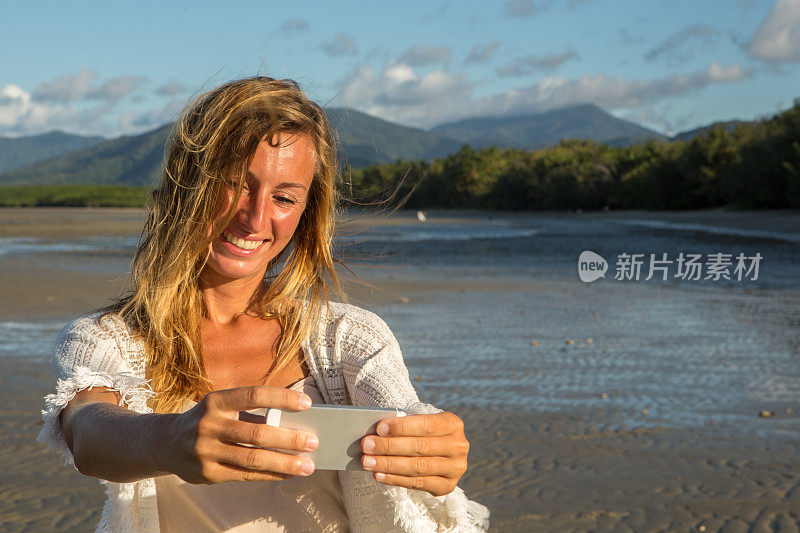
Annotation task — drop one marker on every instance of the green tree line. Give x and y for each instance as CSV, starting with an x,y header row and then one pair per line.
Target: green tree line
x,y
73,196
754,166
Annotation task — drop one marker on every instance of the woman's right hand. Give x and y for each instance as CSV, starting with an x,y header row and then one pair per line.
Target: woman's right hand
x,y
205,444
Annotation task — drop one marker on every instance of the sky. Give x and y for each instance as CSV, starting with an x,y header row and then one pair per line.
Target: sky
x,y
120,68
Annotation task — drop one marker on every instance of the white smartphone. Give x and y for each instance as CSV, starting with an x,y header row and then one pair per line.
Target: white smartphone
x,y
339,429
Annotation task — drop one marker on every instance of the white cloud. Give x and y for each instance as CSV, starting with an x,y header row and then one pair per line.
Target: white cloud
x,y
136,123
294,25
68,103
75,87
661,117
718,74
114,89
481,54
612,92
399,73
671,46
524,66
341,45
14,103
417,56
399,94
396,92
21,114
170,88
778,37
65,88
523,8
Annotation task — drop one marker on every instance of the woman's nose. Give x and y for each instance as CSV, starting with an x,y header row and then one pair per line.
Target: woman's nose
x,y
257,212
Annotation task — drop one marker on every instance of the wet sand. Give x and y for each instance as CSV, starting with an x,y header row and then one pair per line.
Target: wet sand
x,y
539,471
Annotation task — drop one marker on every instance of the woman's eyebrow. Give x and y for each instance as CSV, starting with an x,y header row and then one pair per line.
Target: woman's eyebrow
x,y
284,185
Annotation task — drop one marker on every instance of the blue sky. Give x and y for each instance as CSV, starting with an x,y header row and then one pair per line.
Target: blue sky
x,y
120,68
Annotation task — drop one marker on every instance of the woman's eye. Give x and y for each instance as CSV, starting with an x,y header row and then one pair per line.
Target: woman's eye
x,y
285,200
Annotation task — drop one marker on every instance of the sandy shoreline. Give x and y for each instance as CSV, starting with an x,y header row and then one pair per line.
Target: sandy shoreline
x,y
536,471
52,222
543,473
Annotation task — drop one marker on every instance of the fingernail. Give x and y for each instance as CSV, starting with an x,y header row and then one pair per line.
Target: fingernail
x,y
312,442
369,462
379,476
305,402
306,467
369,445
383,429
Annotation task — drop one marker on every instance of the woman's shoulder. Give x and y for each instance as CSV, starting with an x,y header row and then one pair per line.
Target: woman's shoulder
x,y
98,340
96,327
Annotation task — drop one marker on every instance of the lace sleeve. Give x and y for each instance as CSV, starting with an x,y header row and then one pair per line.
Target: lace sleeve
x,y
372,363
88,354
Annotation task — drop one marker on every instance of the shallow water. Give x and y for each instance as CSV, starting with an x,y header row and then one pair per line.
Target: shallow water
x,y
29,340
692,353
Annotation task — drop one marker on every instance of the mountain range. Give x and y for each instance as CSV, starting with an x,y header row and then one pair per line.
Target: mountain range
x,y
545,129
17,152
59,158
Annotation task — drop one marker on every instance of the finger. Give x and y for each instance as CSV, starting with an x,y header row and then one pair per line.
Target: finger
x,y
244,398
264,436
262,460
220,473
410,466
439,424
438,486
409,446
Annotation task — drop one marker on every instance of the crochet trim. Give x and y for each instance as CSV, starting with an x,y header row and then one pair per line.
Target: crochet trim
x,y
134,391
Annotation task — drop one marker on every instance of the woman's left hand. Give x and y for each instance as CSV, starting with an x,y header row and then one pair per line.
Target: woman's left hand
x,y
422,452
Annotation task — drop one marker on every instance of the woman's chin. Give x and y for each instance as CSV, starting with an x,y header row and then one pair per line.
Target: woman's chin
x,y
236,264
224,271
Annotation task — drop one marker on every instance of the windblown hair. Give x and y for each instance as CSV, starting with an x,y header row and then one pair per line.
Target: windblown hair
x,y
211,148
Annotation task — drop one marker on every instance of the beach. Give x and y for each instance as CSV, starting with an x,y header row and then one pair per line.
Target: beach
x,y
605,406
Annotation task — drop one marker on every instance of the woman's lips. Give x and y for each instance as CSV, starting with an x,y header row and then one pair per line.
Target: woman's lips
x,y
240,244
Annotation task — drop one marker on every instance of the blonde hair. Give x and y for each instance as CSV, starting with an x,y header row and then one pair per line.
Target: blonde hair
x,y
211,148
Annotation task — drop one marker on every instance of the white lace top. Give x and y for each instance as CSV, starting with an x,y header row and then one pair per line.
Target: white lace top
x,y
354,359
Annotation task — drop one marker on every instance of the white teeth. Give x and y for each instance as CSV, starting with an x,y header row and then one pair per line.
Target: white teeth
x,y
241,243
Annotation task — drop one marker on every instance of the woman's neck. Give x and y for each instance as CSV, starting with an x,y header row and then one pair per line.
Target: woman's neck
x,y
224,300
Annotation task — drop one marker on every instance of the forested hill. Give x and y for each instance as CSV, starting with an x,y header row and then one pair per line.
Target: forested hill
x,y
540,130
754,165
137,159
728,125
128,160
365,140
17,152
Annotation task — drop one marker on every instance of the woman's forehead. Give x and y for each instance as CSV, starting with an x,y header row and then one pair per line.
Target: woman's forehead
x,y
286,154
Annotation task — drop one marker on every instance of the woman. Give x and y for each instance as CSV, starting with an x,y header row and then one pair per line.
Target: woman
x,y
229,311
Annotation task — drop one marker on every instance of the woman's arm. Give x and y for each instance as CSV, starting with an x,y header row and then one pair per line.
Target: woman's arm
x,y
202,445
108,441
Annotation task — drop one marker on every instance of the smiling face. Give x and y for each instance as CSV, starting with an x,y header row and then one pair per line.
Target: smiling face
x,y
268,212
